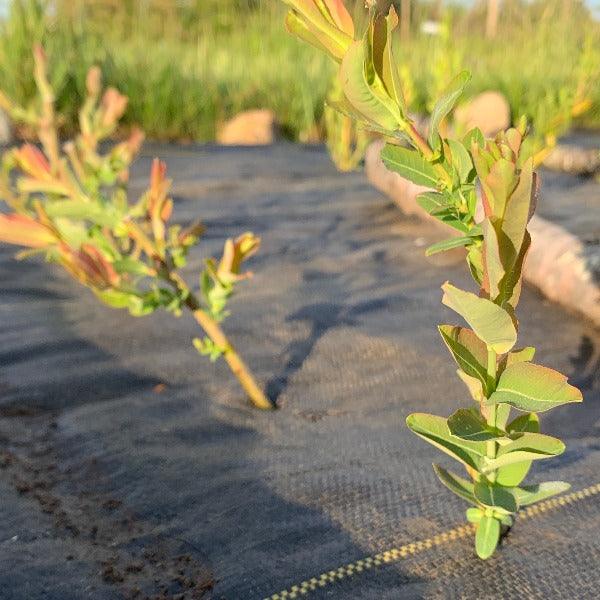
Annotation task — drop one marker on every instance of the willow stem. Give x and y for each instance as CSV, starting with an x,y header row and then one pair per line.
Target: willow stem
x,y
419,141
425,149
215,333
235,362
491,412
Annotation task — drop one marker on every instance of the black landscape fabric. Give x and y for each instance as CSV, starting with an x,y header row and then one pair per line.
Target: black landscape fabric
x,y
130,467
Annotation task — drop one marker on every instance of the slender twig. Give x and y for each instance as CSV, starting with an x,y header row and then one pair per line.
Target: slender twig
x,y
491,411
213,330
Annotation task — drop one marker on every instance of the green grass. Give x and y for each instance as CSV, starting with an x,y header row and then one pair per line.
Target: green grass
x,y
185,75
186,90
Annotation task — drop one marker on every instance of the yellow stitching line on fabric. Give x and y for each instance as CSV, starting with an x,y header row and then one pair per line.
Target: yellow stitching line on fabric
x,y
396,554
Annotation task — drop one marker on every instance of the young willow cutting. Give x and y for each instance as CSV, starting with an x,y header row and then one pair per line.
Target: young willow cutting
x,y
70,204
496,448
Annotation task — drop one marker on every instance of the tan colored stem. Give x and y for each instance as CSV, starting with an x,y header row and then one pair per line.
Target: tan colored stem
x,y
235,362
215,333
419,141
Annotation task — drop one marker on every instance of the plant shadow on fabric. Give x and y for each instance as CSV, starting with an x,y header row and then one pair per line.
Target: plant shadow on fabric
x,y
320,318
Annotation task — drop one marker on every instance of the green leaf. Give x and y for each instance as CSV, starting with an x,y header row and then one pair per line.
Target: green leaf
x,y
470,194
517,212
345,108
456,242
476,232
324,41
137,305
410,164
502,414
445,104
487,537
435,430
490,323
469,352
461,160
392,66
114,298
531,387
467,424
505,520
461,487
365,91
530,494
433,201
527,423
330,25
512,475
474,515
495,496
140,307
510,291
538,443
527,447
132,266
475,262
473,384
206,347
448,216
474,136
498,185
494,267
79,210
526,354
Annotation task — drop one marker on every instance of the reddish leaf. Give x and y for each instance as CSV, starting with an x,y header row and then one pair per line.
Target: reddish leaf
x,y
25,231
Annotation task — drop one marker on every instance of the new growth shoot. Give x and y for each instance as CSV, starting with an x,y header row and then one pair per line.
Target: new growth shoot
x,y
495,447
70,203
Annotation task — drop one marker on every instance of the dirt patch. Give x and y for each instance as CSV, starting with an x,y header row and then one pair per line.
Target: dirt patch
x,y
130,556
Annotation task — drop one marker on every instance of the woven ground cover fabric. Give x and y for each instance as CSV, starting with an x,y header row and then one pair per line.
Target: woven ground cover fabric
x,y
132,468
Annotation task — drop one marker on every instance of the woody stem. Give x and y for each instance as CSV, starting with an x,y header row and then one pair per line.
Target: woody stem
x,y
215,333
490,413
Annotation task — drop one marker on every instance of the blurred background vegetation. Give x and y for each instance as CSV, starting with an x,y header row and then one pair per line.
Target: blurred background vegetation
x,y
188,65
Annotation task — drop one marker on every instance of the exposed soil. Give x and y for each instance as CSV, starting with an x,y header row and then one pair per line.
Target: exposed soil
x,y
129,556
